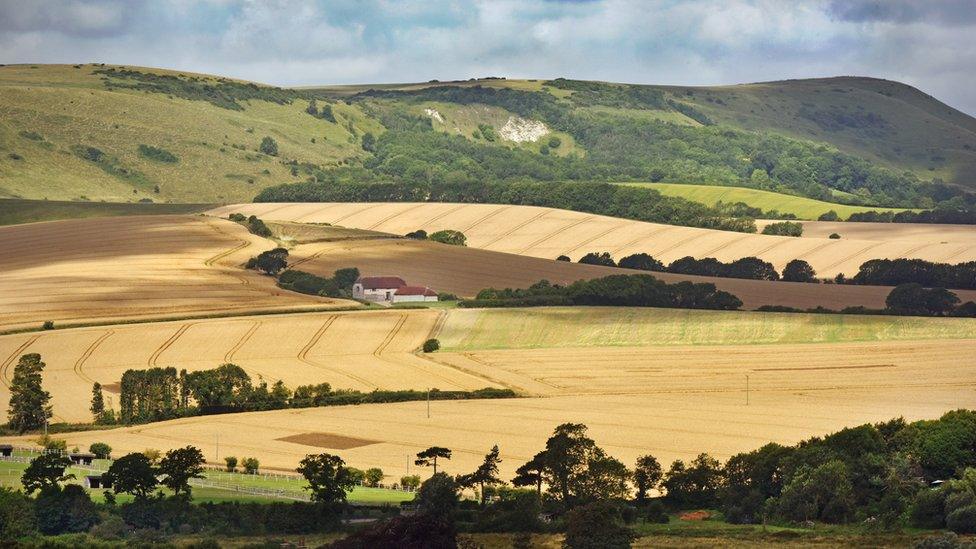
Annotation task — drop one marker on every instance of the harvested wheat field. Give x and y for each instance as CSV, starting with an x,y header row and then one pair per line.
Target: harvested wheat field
x,y
362,350
110,269
672,383
466,271
548,233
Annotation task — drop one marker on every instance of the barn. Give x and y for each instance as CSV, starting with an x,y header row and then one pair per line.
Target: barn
x,y
377,288
414,293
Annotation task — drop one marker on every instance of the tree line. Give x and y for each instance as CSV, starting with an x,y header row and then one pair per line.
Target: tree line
x,y
628,202
613,290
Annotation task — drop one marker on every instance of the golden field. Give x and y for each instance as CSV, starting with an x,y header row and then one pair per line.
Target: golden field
x,y
672,383
112,269
548,233
362,350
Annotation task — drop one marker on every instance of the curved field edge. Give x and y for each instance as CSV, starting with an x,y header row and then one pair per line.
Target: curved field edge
x,y
556,327
16,211
802,207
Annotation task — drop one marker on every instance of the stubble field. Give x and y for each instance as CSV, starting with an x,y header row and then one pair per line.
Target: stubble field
x,y
121,268
549,233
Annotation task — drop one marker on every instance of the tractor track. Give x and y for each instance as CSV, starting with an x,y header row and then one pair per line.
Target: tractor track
x,y
168,343
5,367
303,354
576,223
80,363
515,228
229,355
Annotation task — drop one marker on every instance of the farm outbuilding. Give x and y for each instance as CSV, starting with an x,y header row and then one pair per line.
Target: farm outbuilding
x,y
96,481
81,458
377,288
414,293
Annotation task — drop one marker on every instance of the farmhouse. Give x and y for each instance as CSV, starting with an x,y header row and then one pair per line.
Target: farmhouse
x,y
377,288
414,293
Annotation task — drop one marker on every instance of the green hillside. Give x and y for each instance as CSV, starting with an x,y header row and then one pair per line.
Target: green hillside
x,y
122,134
802,208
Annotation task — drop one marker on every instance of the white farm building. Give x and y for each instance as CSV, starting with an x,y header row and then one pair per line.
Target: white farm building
x,y
390,289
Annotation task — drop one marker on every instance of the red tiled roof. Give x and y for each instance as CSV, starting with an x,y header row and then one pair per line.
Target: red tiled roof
x,y
416,290
381,282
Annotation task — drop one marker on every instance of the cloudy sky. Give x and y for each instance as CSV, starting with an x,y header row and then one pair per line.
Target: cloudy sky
x,y
928,44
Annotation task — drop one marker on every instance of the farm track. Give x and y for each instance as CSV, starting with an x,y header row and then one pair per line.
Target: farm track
x,y
393,216
80,363
151,362
303,354
515,228
229,355
555,233
594,238
5,367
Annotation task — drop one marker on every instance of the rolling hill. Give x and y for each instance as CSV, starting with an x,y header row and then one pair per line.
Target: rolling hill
x,y
124,134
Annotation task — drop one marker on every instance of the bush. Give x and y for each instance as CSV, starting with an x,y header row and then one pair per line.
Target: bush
x,y
829,216
101,450
431,345
563,258
271,262
269,146
250,465
598,258
16,515
641,262
962,520
554,142
656,513
596,525
834,236
157,154
48,325
784,228
231,462
447,236
419,234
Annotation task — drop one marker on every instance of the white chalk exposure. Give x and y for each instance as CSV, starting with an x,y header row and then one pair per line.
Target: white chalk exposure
x,y
521,130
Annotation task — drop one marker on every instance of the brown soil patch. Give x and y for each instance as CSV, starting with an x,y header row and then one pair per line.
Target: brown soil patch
x,y
328,440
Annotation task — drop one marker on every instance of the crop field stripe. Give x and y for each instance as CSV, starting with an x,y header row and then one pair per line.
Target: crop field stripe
x,y
811,251
243,244
435,330
369,206
316,337
956,253
14,356
683,241
733,242
486,217
394,216
301,218
910,251
592,238
517,227
229,355
168,343
862,251
641,238
80,363
441,215
573,224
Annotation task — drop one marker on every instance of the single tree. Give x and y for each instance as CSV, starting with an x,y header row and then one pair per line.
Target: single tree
x,y
373,476
250,465
101,450
180,466
269,146
428,458
485,475
438,495
30,406
799,271
647,476
46,471
231,463
531,473
369,142
328,479
271,262
97,402
132,474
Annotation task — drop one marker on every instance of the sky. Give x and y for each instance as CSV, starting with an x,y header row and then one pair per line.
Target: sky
x,y
926,43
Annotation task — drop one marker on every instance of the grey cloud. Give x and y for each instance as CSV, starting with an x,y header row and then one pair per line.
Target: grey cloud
x,y
945,12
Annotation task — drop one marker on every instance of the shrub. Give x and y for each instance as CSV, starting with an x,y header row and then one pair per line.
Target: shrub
x,y
598,258
563,258
554,142
250,465
269,146
829,216
784,228
656,513
448,236
48,325
962,520
834,236
641,262
431,345
101,450
231,462
419,234
158,154
271,262
596,525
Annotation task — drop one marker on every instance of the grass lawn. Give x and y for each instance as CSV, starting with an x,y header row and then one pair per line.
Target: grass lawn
x,y
802,208
10,473
553,327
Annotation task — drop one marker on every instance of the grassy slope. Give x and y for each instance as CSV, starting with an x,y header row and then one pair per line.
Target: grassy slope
x,y
69,106
920,133
14,211
803,208
548,327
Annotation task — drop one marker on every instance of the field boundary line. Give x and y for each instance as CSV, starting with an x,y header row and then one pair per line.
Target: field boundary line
x,y
168,343
576,223
80,363
5,367
519,390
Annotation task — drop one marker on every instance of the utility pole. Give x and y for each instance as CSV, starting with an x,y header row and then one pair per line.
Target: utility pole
x,y
747,389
